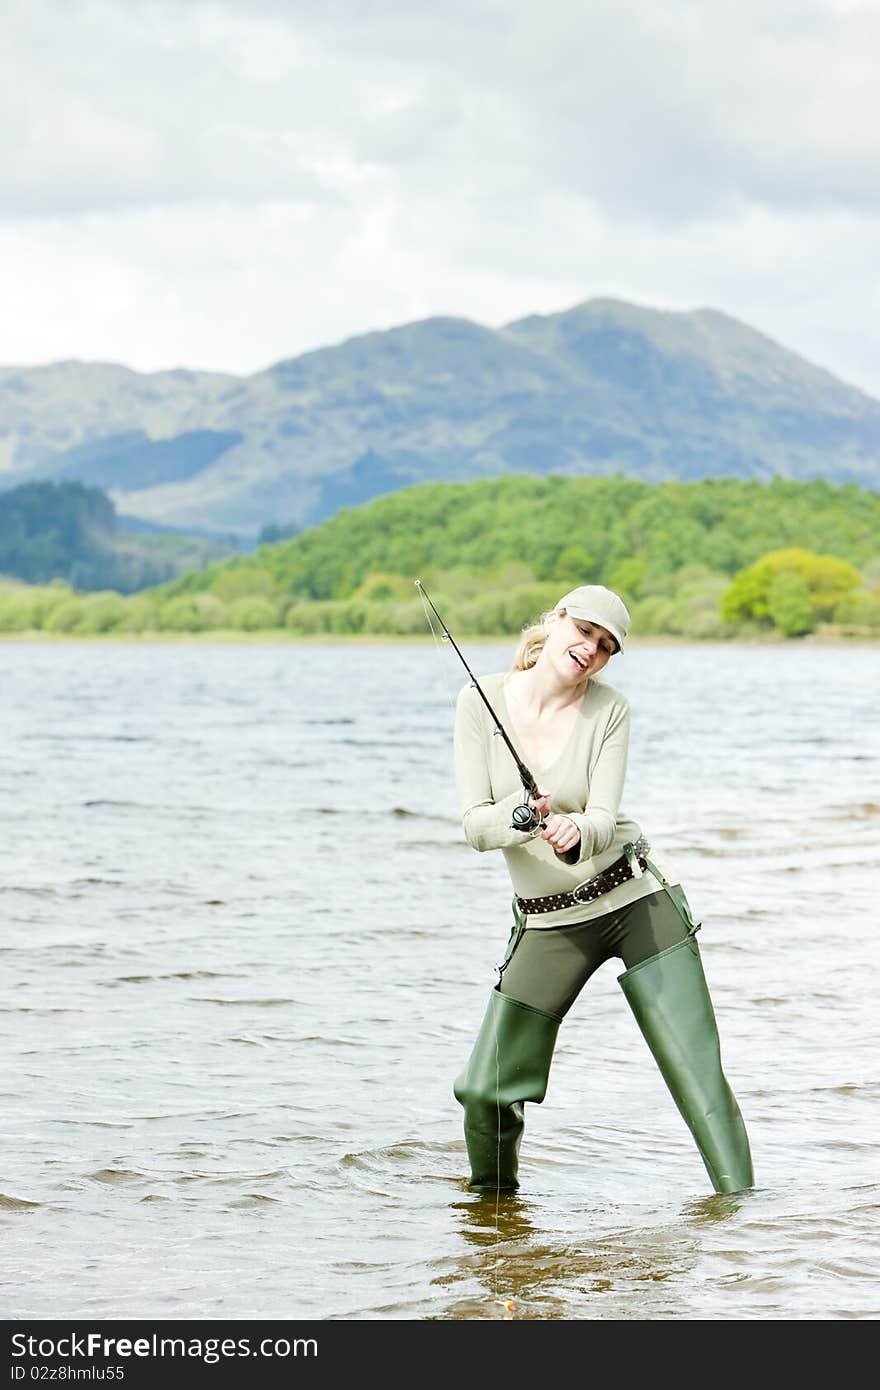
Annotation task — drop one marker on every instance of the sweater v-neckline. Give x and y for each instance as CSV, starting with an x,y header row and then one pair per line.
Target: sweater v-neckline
x,y
517,740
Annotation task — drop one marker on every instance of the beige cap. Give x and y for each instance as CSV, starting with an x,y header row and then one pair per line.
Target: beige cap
x,y
593,603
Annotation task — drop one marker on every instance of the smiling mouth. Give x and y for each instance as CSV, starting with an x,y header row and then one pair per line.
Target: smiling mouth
x,y
578,662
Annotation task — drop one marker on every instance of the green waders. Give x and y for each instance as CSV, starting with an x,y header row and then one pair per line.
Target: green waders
x,y
668,995
509,1064
670,1000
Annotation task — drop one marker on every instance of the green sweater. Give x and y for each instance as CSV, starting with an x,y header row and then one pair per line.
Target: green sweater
x,y
585,783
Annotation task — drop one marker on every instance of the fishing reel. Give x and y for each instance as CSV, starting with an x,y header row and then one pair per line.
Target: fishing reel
x,y
525,818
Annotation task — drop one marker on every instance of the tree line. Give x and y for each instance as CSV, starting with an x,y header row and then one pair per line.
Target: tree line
x,y
713,559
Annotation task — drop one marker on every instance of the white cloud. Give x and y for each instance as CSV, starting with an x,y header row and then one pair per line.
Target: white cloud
x,y
223,184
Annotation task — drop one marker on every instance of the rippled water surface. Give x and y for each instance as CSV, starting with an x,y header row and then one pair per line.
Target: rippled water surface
x,y
245,951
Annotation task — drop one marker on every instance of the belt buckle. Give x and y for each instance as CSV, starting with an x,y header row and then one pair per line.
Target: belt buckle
x,y
576,890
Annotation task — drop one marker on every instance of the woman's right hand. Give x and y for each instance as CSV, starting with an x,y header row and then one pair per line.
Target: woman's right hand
x,y
540,804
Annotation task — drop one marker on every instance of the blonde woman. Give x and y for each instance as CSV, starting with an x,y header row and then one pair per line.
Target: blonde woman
x,y
585,889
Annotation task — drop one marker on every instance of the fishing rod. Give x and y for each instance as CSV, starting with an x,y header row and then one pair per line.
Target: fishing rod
x,y
524,817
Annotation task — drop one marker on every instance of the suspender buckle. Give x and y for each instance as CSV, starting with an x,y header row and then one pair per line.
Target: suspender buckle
x,y
632,859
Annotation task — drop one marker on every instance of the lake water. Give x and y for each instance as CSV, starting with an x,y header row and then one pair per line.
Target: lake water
x,y
245,951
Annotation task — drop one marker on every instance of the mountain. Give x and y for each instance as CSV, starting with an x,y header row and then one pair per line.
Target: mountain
x,y
606,387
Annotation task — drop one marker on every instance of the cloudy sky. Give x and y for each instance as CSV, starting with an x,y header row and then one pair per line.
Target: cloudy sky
x,y
224,183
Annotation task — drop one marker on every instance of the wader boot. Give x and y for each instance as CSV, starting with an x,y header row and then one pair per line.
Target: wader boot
x,y
509,1065
670,999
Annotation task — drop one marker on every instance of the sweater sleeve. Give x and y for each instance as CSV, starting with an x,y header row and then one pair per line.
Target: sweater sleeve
x,y
486,821
607,775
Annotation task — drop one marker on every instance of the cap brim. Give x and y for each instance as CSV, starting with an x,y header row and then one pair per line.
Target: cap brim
x,y
589,616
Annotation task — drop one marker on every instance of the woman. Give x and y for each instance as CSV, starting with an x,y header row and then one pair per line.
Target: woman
x,y
585,890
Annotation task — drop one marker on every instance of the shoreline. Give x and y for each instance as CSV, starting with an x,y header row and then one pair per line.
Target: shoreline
x,y
280,637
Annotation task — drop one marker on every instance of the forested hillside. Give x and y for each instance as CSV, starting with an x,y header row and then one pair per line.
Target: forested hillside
x,y
70,532
712,559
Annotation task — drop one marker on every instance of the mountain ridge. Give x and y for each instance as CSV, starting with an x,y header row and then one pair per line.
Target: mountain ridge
x,y
604,387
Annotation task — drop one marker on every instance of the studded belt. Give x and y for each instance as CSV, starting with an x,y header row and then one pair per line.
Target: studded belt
x,y
631,864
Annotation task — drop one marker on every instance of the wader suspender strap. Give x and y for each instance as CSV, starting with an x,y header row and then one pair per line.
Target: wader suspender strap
x,y
519,926
677,897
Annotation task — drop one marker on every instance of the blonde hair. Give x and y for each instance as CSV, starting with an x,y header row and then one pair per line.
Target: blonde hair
x,y
531,643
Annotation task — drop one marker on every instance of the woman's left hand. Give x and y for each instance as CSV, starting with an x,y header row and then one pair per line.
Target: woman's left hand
x,y
561,833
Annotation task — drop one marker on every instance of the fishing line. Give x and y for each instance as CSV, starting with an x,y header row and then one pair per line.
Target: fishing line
x,y
524,818
439,638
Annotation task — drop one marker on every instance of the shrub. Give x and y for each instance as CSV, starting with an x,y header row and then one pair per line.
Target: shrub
x,y
16,611
24,606
179,615
253,614
788,600
400,619
141,615
102,612
827,580
503,612
65,616
859,610
654,616
211,612
330,615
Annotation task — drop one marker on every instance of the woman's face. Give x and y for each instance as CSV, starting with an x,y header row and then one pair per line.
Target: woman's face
x,y
577,647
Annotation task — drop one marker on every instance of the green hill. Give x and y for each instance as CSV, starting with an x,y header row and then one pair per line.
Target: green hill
x,y
710,559
561,530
